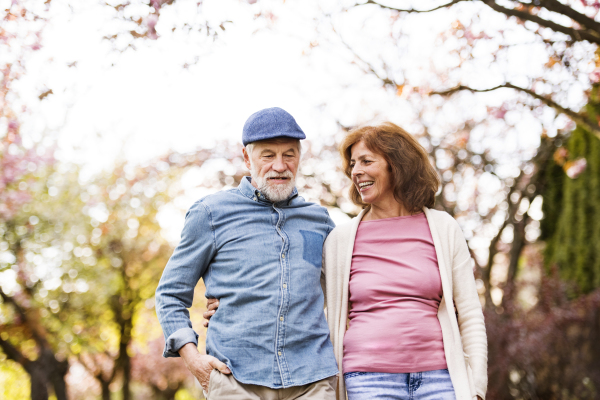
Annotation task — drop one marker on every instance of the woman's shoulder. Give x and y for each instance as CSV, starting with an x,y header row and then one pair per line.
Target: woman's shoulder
x,y
441,216
340,231
343,232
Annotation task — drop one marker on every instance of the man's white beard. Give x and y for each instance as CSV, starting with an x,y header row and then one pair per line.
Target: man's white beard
x,y
274,192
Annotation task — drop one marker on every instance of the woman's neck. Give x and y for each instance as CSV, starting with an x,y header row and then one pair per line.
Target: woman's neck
x,y
388,209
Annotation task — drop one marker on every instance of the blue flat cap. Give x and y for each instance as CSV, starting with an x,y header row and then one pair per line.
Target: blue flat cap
x,y
271,123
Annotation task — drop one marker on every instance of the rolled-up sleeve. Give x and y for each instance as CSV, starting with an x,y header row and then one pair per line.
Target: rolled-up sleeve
x,y
175,292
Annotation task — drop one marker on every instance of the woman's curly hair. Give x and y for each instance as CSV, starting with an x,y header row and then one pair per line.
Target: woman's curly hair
x,y
414,180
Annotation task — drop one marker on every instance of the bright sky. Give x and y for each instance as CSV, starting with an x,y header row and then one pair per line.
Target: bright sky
x,y
147,102
137,104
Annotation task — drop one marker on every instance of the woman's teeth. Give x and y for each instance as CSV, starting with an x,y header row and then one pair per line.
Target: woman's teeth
x,y
364,185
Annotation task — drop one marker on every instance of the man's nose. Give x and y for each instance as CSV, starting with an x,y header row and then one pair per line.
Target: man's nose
x,y
279,165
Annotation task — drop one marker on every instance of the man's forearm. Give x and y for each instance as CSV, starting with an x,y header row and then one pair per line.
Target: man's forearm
x,y
188,351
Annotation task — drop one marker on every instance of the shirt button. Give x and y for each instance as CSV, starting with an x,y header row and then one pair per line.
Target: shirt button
x,y
283,256
279,353
281,318
285,285
254,198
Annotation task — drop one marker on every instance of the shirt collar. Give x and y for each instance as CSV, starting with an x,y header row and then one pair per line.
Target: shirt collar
x,y
245,187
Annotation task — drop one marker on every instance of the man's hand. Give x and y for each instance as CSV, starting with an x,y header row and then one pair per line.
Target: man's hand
x,y
211,308
200,365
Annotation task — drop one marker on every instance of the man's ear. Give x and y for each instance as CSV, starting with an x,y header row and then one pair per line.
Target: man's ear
x,y
246,159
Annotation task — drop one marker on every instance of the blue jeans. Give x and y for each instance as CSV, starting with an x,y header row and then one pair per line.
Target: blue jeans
x,y
428,385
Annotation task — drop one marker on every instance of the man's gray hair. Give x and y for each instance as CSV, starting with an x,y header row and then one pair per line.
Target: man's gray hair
x,y
250,146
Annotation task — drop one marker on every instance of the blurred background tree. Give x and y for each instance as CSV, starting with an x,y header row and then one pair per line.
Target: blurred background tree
x,y
560,175
572,207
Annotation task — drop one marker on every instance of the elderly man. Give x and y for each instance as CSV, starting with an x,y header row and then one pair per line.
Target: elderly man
x,y
258,248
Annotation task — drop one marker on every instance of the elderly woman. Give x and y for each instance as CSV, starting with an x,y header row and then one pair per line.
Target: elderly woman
x,y
395,275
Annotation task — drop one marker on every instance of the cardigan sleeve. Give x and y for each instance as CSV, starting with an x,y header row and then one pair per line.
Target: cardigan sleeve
x,y
470,314
327,266
324,278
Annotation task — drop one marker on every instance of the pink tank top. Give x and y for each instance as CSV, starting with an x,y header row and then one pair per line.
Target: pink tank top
x,y
395,292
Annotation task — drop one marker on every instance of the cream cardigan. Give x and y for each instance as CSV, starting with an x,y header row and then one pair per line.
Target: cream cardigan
x,y
465,342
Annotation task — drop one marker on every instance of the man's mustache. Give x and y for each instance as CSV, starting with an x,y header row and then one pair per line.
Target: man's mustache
x,y
272,174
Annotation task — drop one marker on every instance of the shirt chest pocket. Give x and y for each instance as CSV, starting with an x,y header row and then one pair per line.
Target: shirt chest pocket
x,y
312,247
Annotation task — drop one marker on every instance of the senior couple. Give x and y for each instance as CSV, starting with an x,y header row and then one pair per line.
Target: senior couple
x,y
403,318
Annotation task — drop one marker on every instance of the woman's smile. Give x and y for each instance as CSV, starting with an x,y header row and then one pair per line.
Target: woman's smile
x,y
371,175
364,186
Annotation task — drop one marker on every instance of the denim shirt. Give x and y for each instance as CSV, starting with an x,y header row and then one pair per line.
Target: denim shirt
x,y
262,260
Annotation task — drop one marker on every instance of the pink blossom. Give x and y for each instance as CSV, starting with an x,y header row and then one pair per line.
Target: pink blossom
x,y
595,76
152,20
497,112
595,3
575,168
13,125
151,23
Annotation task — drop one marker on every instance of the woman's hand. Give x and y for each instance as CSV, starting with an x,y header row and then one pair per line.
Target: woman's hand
x,y
211,308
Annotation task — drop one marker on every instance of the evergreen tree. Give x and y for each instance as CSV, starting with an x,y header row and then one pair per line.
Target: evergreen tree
x,y
571,225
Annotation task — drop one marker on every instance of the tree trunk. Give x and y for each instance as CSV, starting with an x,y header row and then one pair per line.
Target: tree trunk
x,y
42,372
517,248
39,379
126,366
105,389
45,371
58,371
166,394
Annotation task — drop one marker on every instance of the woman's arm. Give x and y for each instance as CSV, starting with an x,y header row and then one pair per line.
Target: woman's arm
x,y
470,314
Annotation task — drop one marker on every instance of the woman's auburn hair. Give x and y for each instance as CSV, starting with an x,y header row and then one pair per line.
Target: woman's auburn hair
x,y
414,180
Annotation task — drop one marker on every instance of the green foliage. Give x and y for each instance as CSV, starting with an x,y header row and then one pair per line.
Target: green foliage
x,y
184,394
571,224
555,177
14,381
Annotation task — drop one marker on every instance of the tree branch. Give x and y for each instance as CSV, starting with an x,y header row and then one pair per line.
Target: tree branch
x,y
8,299
412,10
493,247
591,33
12,352
576,117
96,370
23,313
576,34
582,19
386,81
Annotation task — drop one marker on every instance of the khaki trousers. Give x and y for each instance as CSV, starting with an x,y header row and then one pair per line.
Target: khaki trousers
x,y
225,387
